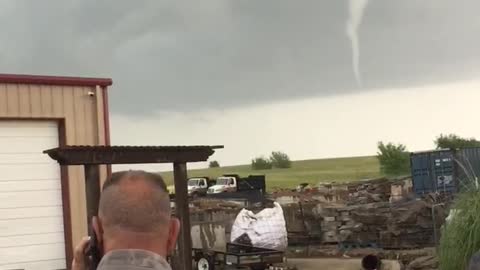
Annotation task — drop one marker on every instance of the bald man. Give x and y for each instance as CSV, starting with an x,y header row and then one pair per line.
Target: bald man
x,y
134,227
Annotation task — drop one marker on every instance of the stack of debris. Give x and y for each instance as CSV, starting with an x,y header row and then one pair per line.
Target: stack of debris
x,y
362,192
214,205
351,193
405,225
375,190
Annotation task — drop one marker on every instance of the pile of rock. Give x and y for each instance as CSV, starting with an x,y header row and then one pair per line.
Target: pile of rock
x,y
376,190
406,225
360,192
350,193
423,263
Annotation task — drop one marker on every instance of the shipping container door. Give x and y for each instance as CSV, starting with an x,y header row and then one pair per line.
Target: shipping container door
x,y
443,171
31,216
421,173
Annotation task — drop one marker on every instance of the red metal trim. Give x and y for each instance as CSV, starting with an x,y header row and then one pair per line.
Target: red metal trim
x,y
54,80
106,121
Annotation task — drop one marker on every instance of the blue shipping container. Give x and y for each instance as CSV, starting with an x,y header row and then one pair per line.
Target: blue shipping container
x,y
433,171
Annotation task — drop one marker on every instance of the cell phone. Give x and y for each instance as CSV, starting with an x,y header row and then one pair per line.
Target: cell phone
x,y
93,254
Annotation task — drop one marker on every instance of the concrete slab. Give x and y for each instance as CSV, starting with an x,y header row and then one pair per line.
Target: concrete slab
x,y
337,264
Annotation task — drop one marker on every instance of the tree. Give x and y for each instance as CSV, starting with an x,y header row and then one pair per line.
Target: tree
x,y
261,163
394,159
214,164
280,160
454,141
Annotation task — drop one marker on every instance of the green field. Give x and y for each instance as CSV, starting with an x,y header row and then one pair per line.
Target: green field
x,y
305,171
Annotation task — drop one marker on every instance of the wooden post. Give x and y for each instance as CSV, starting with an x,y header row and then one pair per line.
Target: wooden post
x,y
92,191
183,213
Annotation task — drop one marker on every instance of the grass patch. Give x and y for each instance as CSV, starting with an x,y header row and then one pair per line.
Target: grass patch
x,y
461,237
310,171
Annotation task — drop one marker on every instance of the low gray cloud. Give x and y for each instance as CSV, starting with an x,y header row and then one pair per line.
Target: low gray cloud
x,y
194,55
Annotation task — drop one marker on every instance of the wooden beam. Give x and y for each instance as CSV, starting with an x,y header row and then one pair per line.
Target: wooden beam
x,y
92,192
93,156
183,213
126,155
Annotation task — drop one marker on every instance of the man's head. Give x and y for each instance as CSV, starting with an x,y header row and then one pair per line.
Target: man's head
x,y
134,213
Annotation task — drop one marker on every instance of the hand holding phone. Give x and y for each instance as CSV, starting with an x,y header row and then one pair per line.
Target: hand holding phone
x,y
92,253
79,262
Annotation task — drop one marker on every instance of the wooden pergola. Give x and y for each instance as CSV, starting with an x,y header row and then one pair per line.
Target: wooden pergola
x,y
93,156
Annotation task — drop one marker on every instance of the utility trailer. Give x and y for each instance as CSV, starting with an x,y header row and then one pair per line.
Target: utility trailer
x,y
236,256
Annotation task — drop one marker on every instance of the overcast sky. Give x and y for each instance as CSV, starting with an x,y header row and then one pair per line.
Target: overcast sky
x,y
300,76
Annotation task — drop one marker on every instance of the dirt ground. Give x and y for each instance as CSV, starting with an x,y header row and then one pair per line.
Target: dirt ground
x,y
337,264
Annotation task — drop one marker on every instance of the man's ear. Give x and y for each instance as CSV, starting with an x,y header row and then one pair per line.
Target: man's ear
x,y
98,230
173,235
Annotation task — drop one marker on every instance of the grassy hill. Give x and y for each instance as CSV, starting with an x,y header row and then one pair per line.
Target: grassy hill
x,y
310,171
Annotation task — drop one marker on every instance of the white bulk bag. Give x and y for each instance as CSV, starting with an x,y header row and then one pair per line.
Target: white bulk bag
x,y
266,229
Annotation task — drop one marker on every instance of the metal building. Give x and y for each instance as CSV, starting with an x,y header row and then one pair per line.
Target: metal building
x,y
42,207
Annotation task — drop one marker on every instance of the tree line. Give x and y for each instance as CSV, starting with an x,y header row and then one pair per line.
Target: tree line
x,y
395,159
277,159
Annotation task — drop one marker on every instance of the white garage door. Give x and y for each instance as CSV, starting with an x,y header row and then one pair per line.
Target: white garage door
x,y
31,217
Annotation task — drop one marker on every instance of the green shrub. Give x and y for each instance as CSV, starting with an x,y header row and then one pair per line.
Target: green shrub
x,y
394,159
261,163
214,164
454,141
280,160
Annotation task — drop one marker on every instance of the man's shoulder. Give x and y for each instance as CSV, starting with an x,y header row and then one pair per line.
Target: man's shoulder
x,y
133,259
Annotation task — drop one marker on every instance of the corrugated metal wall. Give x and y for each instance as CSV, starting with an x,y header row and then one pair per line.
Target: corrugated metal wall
x,y
433,172
84,125
445,171
468,162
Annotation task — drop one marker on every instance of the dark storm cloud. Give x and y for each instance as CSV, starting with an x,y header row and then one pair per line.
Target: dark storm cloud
x,y
192,55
